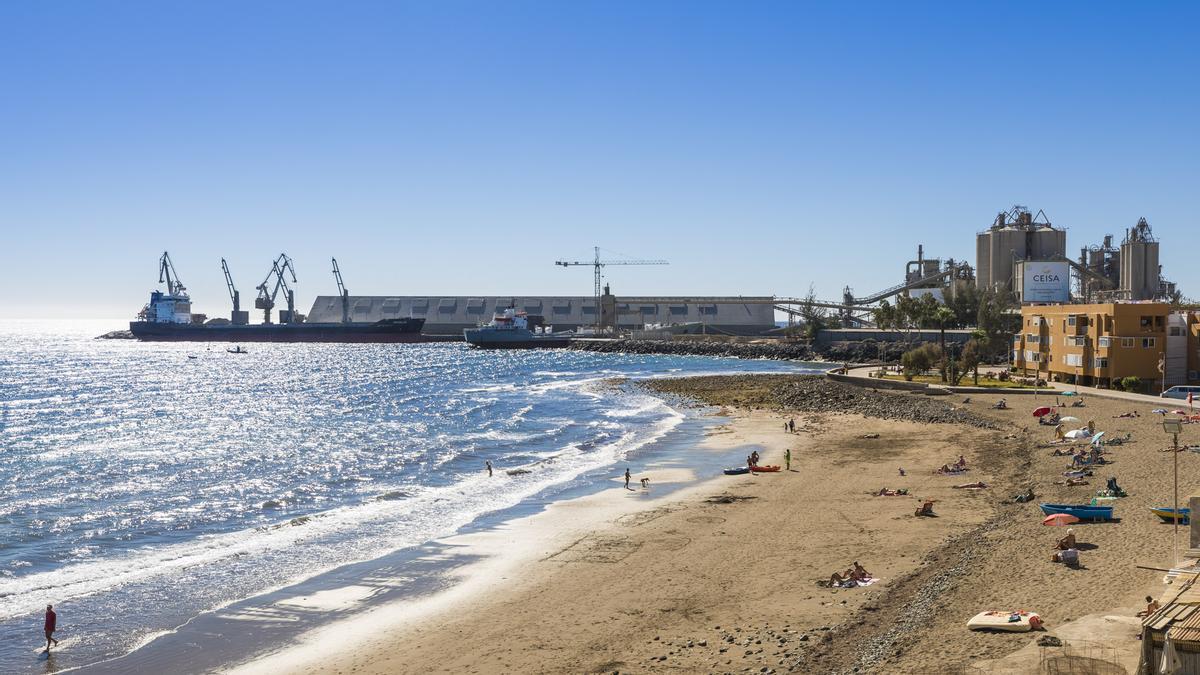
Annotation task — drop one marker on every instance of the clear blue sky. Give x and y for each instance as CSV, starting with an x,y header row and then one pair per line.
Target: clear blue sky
x,y
456,148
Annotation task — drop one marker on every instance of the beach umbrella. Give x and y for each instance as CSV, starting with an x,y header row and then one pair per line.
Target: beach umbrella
x,y
1076,434
1060,519
1042,411
1097,437
1069,419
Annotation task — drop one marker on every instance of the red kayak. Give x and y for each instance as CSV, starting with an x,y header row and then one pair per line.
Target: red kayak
x,y
765,469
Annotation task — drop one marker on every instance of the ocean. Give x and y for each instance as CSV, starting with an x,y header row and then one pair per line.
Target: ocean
x,y
143,484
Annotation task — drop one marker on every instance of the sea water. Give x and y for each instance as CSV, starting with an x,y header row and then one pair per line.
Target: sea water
x,y
144,483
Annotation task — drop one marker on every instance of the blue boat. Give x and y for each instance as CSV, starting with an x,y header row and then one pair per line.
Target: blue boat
x,y
1080,511
737,470
1168,514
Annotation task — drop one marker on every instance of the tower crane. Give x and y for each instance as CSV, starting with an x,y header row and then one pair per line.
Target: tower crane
x,y
266,299
345,294
166,273
596,264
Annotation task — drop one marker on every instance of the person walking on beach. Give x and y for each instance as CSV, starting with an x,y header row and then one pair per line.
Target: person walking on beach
x,y
787,458
627,477
488,462
51,625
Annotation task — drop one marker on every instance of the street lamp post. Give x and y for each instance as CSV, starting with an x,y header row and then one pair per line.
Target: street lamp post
x,y
1173,427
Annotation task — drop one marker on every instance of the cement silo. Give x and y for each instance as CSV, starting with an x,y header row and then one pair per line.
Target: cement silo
x,y
1015,236
1139,263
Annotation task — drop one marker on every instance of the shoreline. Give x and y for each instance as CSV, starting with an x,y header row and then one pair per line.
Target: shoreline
x,y
635,552
420,576
719,574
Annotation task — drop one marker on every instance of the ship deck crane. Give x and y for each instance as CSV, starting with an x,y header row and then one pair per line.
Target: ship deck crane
x,y
342,292
596,264
266,299
167,273
234,296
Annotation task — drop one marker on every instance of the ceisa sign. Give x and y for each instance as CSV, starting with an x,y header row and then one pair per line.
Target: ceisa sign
x,y
1045,282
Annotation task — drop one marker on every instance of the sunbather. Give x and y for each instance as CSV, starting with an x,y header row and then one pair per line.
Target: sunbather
x,y
1025,497
886,492
1151,607
1067,541
925,509
1073,482
977,485
961,463
1000,405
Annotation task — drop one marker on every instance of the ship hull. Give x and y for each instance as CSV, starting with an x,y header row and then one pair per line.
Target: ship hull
x,y
513,339
381,332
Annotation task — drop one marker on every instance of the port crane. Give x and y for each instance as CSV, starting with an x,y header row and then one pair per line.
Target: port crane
x,y
266,299
342,292
167,273
597,264
233,292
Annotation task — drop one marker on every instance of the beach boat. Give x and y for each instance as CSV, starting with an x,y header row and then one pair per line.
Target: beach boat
x,y
1080,511
737,470
1012,622
765,469
1168,514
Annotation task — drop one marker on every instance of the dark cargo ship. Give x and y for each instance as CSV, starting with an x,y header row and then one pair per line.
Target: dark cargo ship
x,y
168,317
387,330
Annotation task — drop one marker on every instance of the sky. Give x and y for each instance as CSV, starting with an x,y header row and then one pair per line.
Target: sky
x,y
463,147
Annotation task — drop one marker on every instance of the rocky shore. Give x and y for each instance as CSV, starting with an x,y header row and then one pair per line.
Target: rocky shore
x,y
838,352
817,394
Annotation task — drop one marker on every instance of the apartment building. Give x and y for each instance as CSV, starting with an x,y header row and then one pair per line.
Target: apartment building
x,y
1097,345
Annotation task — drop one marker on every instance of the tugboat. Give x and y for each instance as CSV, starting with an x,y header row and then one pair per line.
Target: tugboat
x,y
511,330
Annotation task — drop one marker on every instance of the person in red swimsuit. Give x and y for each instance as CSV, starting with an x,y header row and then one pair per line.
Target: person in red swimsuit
x,y
51,624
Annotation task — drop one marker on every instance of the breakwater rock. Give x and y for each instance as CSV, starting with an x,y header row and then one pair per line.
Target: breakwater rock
x,y
838,352
116,335
816,394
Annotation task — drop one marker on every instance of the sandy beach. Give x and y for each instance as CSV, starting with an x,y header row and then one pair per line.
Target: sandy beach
x,y
722,576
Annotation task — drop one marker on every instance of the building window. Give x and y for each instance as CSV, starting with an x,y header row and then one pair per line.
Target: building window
x,y
1100,362
1016,355
1104,342
1176,331
1127,342
1073,359
1033,339
1071,320
1147,343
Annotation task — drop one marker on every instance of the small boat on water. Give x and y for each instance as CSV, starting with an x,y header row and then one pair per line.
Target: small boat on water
x,y
237,350
1169,515
765,469
737,470
1080,511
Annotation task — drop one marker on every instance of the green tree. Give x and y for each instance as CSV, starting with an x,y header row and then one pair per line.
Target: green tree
x,y
943,315
972,354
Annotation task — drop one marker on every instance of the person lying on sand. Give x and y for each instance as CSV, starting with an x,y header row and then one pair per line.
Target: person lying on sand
x,y
925,509
1151,607
1126,415
1000,405
1067,541
1072,482
948,469
1077,403
1025,497
977,485
886,492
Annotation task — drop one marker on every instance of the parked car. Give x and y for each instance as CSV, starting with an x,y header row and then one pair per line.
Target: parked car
x,y
1182,392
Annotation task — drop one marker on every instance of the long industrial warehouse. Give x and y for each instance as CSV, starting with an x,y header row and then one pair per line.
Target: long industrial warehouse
x,y
448,315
